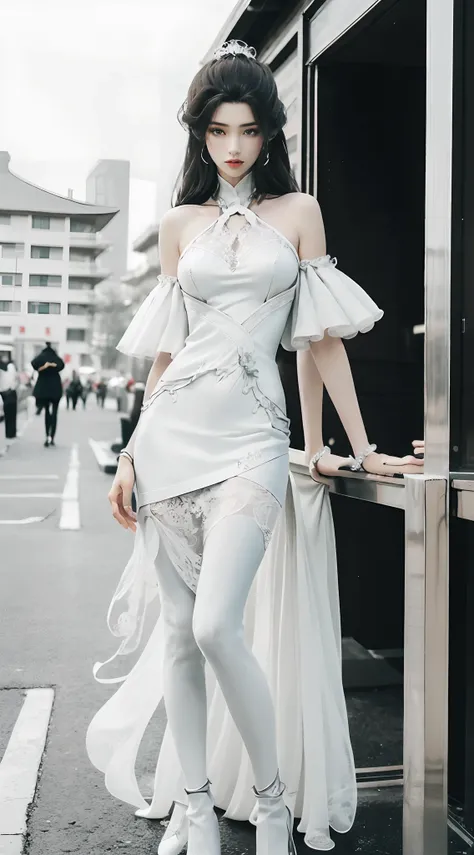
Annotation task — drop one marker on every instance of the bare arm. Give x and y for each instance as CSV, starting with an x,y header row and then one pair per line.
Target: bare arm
x,y
120,495
160,365
310,387
330,360
330,354
169,254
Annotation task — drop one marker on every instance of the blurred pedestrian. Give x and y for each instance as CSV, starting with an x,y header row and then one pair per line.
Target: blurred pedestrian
x,y
86,390
8,392
75,389
48,388
101,392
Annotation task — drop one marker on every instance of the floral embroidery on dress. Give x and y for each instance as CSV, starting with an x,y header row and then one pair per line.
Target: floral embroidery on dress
x,y
275,414
233,244
247,361
185,521
250,460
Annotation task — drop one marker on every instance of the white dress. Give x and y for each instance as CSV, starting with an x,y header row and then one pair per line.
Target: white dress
x,y
212,440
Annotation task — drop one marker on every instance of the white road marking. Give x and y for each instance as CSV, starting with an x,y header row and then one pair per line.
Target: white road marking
x,y
25,521
20,765
70,517
29,477
30,495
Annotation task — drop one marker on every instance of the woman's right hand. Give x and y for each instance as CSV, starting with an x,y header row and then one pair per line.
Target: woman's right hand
x,y
120,495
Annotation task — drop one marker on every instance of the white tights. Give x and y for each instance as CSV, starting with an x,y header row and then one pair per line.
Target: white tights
x,y
209,625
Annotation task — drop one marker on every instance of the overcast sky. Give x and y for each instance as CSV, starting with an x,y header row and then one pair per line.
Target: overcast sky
x,y
96,79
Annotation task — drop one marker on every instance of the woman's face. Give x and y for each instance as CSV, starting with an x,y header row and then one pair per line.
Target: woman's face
x,y
233,140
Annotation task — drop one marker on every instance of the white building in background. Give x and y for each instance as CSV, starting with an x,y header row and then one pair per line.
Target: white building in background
x,y
50,248
143,277
109,184
141,280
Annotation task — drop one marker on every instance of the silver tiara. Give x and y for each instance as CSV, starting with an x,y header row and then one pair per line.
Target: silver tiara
x,y
233,48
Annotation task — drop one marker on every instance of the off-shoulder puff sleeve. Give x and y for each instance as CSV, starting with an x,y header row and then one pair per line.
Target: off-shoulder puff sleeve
x,y
160,324
327,300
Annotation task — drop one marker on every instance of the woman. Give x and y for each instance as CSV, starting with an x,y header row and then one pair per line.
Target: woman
x,y
244,267
48,388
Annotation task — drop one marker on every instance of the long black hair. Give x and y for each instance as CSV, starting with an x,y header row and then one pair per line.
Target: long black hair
x,y
233,79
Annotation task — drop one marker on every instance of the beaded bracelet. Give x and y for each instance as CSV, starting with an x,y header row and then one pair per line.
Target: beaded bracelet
x,y
313,463
358,461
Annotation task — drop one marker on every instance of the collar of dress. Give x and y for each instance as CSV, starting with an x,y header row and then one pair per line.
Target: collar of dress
x,y
239,195
235,200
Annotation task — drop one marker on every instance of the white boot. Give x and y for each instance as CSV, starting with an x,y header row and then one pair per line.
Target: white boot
x,y
176,835
274,821
203,826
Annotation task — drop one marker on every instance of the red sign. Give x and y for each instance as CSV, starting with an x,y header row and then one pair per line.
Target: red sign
x,y
47,331
67,357
22,329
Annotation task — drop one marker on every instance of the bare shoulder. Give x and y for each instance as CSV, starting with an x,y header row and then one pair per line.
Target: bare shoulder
x,y
172,224
173,217
308,219
304,203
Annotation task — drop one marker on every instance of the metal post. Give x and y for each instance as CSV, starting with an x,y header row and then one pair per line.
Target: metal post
x,y
426,666
426,507
439,132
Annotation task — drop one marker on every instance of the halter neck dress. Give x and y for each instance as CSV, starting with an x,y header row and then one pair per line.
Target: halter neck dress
x,y
213,440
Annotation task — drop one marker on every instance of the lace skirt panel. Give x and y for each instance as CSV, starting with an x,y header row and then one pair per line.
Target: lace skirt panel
x,y
185,521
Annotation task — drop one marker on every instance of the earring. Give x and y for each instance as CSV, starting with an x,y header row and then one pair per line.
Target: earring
x,y
204,161
268,159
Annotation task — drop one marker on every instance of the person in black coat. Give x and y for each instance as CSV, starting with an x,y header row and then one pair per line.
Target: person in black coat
x,y
74,390
48,388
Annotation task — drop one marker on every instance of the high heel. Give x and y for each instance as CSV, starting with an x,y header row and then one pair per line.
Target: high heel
x,y
203,826
176,835
274,821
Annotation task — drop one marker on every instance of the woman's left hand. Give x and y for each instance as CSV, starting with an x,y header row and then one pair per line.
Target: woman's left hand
x,y
387,464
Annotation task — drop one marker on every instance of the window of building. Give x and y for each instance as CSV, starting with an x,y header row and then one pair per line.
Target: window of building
x,y
41,222
5,219
12,250
80,255
10,278
75,335
44,281
85,360
78,284
5,330
36,308
53,252
10,306
82,226
78,309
